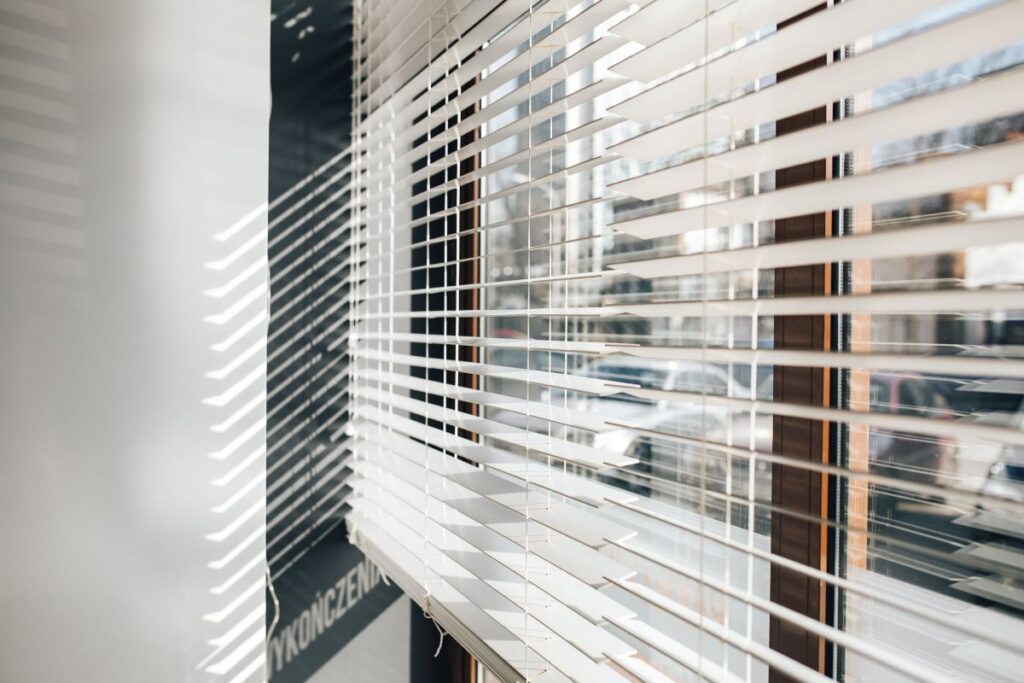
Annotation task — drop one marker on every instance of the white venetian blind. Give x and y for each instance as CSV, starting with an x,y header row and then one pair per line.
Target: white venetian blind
x,y
574,293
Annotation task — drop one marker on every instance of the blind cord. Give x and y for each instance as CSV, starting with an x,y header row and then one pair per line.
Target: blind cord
x,y
277,606
440,630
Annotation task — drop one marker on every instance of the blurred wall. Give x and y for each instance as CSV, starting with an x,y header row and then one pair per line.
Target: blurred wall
x,y
133,169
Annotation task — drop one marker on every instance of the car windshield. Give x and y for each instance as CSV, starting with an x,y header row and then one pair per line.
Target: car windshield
x,y
537,360
697,378
648,376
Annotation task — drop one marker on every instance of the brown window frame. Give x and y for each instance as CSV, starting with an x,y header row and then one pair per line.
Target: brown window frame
x,y
804,501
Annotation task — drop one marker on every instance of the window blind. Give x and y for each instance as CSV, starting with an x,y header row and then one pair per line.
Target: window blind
x,y
686,334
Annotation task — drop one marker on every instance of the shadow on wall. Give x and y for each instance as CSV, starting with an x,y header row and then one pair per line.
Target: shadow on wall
x,y
132,135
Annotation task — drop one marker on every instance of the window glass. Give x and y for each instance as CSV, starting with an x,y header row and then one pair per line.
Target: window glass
x,y
929,525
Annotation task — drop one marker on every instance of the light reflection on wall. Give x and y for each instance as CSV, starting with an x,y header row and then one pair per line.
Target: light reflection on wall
x,y
239,318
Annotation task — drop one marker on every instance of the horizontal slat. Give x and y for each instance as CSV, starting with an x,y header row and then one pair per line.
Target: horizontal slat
x,y
574,28
497,342
406,81
580,489
954,429
573,630
501,34
537,410
550,279
561,312
589,385
535,212
673,649
588,602
956,40
815,35
920,240
776,660
485,113
890,659
493,541
581,132
907,303
530,441
718,30
496,600
502,31
485,637
967,499
984,166
954,365
856,587
641,669
660,18
984,99
573,522
585,564
541,181
399,136
406,33
592,568
568,32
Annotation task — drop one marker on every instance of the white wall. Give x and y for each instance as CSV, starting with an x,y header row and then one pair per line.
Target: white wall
x,y
131,132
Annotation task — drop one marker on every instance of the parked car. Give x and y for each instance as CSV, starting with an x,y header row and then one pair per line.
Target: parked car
x,y
670,375
1006,475
682,376
905,455
934,459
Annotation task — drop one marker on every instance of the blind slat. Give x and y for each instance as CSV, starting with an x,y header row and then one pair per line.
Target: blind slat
x,y
568,236
919,53
931,176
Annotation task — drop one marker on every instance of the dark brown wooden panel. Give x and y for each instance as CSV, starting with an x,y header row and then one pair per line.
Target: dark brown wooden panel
x,y
799,536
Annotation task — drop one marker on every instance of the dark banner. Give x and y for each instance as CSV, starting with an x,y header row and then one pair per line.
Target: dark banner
x,y
326,591
326,599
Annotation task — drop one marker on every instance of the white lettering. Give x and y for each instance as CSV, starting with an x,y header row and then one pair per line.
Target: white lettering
x,y
326,608
350,579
